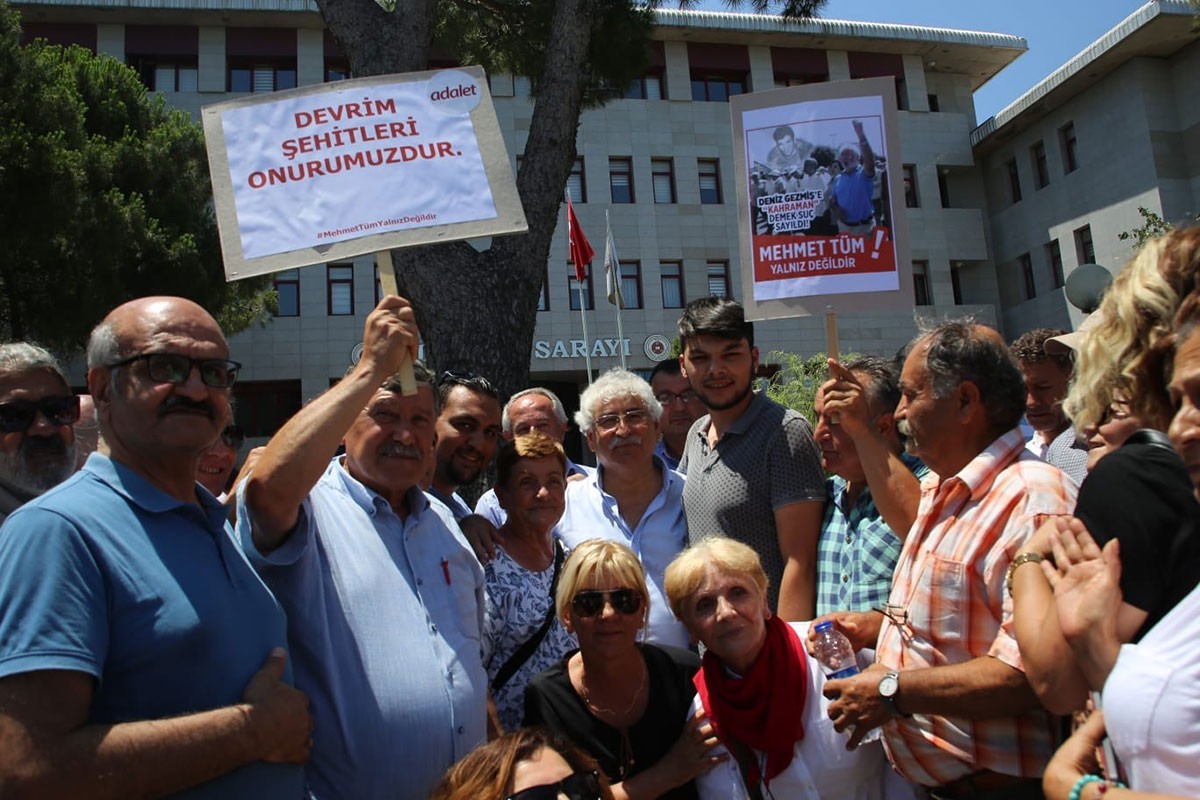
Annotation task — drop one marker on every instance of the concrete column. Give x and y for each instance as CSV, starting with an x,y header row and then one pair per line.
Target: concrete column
x,y
310,56
762,71
679,79
110,41
212,60
914,83
839,65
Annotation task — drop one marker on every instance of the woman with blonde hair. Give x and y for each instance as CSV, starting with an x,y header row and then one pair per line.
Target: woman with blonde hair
x,y
627,704
529,764
762,691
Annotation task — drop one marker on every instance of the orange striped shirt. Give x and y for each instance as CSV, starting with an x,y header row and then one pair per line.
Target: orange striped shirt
x,y
950,580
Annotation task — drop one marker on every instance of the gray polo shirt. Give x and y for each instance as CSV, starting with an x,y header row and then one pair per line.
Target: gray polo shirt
x,y
767,459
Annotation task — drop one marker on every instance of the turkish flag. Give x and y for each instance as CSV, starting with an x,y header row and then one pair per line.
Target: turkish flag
x,y
581,252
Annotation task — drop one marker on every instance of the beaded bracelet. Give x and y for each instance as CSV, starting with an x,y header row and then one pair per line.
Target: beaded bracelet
x,y
1084,780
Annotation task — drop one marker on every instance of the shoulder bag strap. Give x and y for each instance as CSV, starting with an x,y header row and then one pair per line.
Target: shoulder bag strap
x,y
517,659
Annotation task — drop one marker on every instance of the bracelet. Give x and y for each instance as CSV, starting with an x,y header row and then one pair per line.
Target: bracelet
x,y
1084,780
1022,558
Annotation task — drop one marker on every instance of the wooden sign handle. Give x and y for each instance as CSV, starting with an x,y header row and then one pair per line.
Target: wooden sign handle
x,y
831,333
387,282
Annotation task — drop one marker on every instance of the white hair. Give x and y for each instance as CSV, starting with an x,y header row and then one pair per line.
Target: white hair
x,y
611,385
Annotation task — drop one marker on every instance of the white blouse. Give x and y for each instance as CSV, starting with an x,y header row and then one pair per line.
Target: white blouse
x,y
1152,704
822,767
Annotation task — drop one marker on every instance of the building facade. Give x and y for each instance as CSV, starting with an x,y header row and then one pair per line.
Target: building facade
x,y
659,161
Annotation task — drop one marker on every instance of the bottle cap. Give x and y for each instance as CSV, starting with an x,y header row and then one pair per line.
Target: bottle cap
x,y
824,626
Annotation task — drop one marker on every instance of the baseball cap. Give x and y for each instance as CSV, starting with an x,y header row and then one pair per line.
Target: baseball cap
x,y
1070,342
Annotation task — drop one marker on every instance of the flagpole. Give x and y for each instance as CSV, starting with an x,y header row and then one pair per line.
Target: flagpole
x,y
587,345
621,296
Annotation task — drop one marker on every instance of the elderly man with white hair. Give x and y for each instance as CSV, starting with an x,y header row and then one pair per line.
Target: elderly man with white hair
x,y
633,497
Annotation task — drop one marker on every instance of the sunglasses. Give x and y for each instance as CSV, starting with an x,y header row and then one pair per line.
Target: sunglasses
x,y
579,786
624,601
17,415
233,436
172,368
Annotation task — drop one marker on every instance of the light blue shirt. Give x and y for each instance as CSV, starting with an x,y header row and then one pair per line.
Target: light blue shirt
x,y
657,538
108,575
454,502
384,619
661,451
489,508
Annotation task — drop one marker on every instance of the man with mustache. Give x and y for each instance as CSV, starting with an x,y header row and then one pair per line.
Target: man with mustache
x,y
681,407
1047,372
384,598
37,411
468,431
958,714
754,470
140,656
632,497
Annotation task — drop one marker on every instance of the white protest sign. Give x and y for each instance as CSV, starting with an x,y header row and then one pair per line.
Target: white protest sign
x,y
820,227
342,169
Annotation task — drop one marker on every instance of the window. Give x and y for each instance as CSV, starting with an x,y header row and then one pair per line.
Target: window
x,y
631,283
1066,135
1041,173
169,77
1026,265
522,86
262,407
573,288
922,295
670,274
620,179
647,87
1085,251
339,280
710,181
933,103
718,278
1014,181
662,176
262,77
337,71
544,297
287,286
911,200
1054,256
943,189
956,285
717,88
575,183
378,286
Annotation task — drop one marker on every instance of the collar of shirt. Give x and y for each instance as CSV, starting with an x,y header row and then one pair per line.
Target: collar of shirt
x,y
981,470
758,403
141,492
669,475
367,498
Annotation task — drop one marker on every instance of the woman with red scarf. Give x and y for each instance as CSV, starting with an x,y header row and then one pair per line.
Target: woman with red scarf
x,y
762,692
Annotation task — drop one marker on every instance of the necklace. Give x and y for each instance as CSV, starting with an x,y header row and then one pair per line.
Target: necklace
x,y
600,711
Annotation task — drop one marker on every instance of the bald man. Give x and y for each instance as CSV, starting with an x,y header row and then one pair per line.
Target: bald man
x,y
140,655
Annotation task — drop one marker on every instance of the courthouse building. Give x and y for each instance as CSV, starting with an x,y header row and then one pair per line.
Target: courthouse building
x,y
998,214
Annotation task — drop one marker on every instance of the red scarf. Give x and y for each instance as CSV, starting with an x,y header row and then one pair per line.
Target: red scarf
x,y
764,709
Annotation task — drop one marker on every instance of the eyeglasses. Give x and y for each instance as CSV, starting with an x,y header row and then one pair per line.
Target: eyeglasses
x,y
579,786
896,614
17,415
173,368
633,418
233,436
686,396
591,603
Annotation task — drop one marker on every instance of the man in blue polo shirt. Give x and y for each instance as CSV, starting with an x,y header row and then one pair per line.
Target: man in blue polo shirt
x,y
852,191
140,656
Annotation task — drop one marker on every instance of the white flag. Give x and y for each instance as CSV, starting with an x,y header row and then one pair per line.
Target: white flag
x,y
612,271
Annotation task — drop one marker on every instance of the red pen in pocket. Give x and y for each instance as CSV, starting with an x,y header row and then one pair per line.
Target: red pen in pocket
x,y
446,571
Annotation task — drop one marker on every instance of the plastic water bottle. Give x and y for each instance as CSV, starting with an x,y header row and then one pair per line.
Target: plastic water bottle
x,y
835,652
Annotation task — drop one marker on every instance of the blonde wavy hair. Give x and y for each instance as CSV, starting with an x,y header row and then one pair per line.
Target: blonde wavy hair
x,y
1125,355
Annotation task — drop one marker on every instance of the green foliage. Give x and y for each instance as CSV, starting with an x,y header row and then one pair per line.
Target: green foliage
x,y
795,384
1152,227
104,196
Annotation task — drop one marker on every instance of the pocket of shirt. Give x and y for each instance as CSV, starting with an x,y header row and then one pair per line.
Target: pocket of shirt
x,y
947,596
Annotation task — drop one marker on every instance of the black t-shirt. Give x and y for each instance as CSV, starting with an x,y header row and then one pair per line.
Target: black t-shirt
x,y
551,700
1141,494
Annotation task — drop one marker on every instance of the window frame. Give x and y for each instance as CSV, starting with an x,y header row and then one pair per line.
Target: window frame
x,y
656,173
576,174
922,286
1014,181
715,163
723,266
331,281
912,198
1083,243
288,277
1069,143
677,278
707,79
1041,167
573,292
1025,264
620,166
636,267
1054,258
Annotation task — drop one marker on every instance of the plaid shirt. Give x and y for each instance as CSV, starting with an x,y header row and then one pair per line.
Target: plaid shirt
x,y
950,581
857,552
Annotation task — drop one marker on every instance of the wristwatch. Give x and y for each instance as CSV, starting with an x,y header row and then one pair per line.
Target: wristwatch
x,y
889,687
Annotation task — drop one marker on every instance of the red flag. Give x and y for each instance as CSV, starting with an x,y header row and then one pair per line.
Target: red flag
x,y
581,252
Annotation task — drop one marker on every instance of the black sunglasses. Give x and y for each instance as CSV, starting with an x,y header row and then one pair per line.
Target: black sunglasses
x,y
233,436
591,603
219,373
579,786
17,415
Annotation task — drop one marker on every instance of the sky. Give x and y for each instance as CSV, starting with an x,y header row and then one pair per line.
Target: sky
x,y
1055,30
